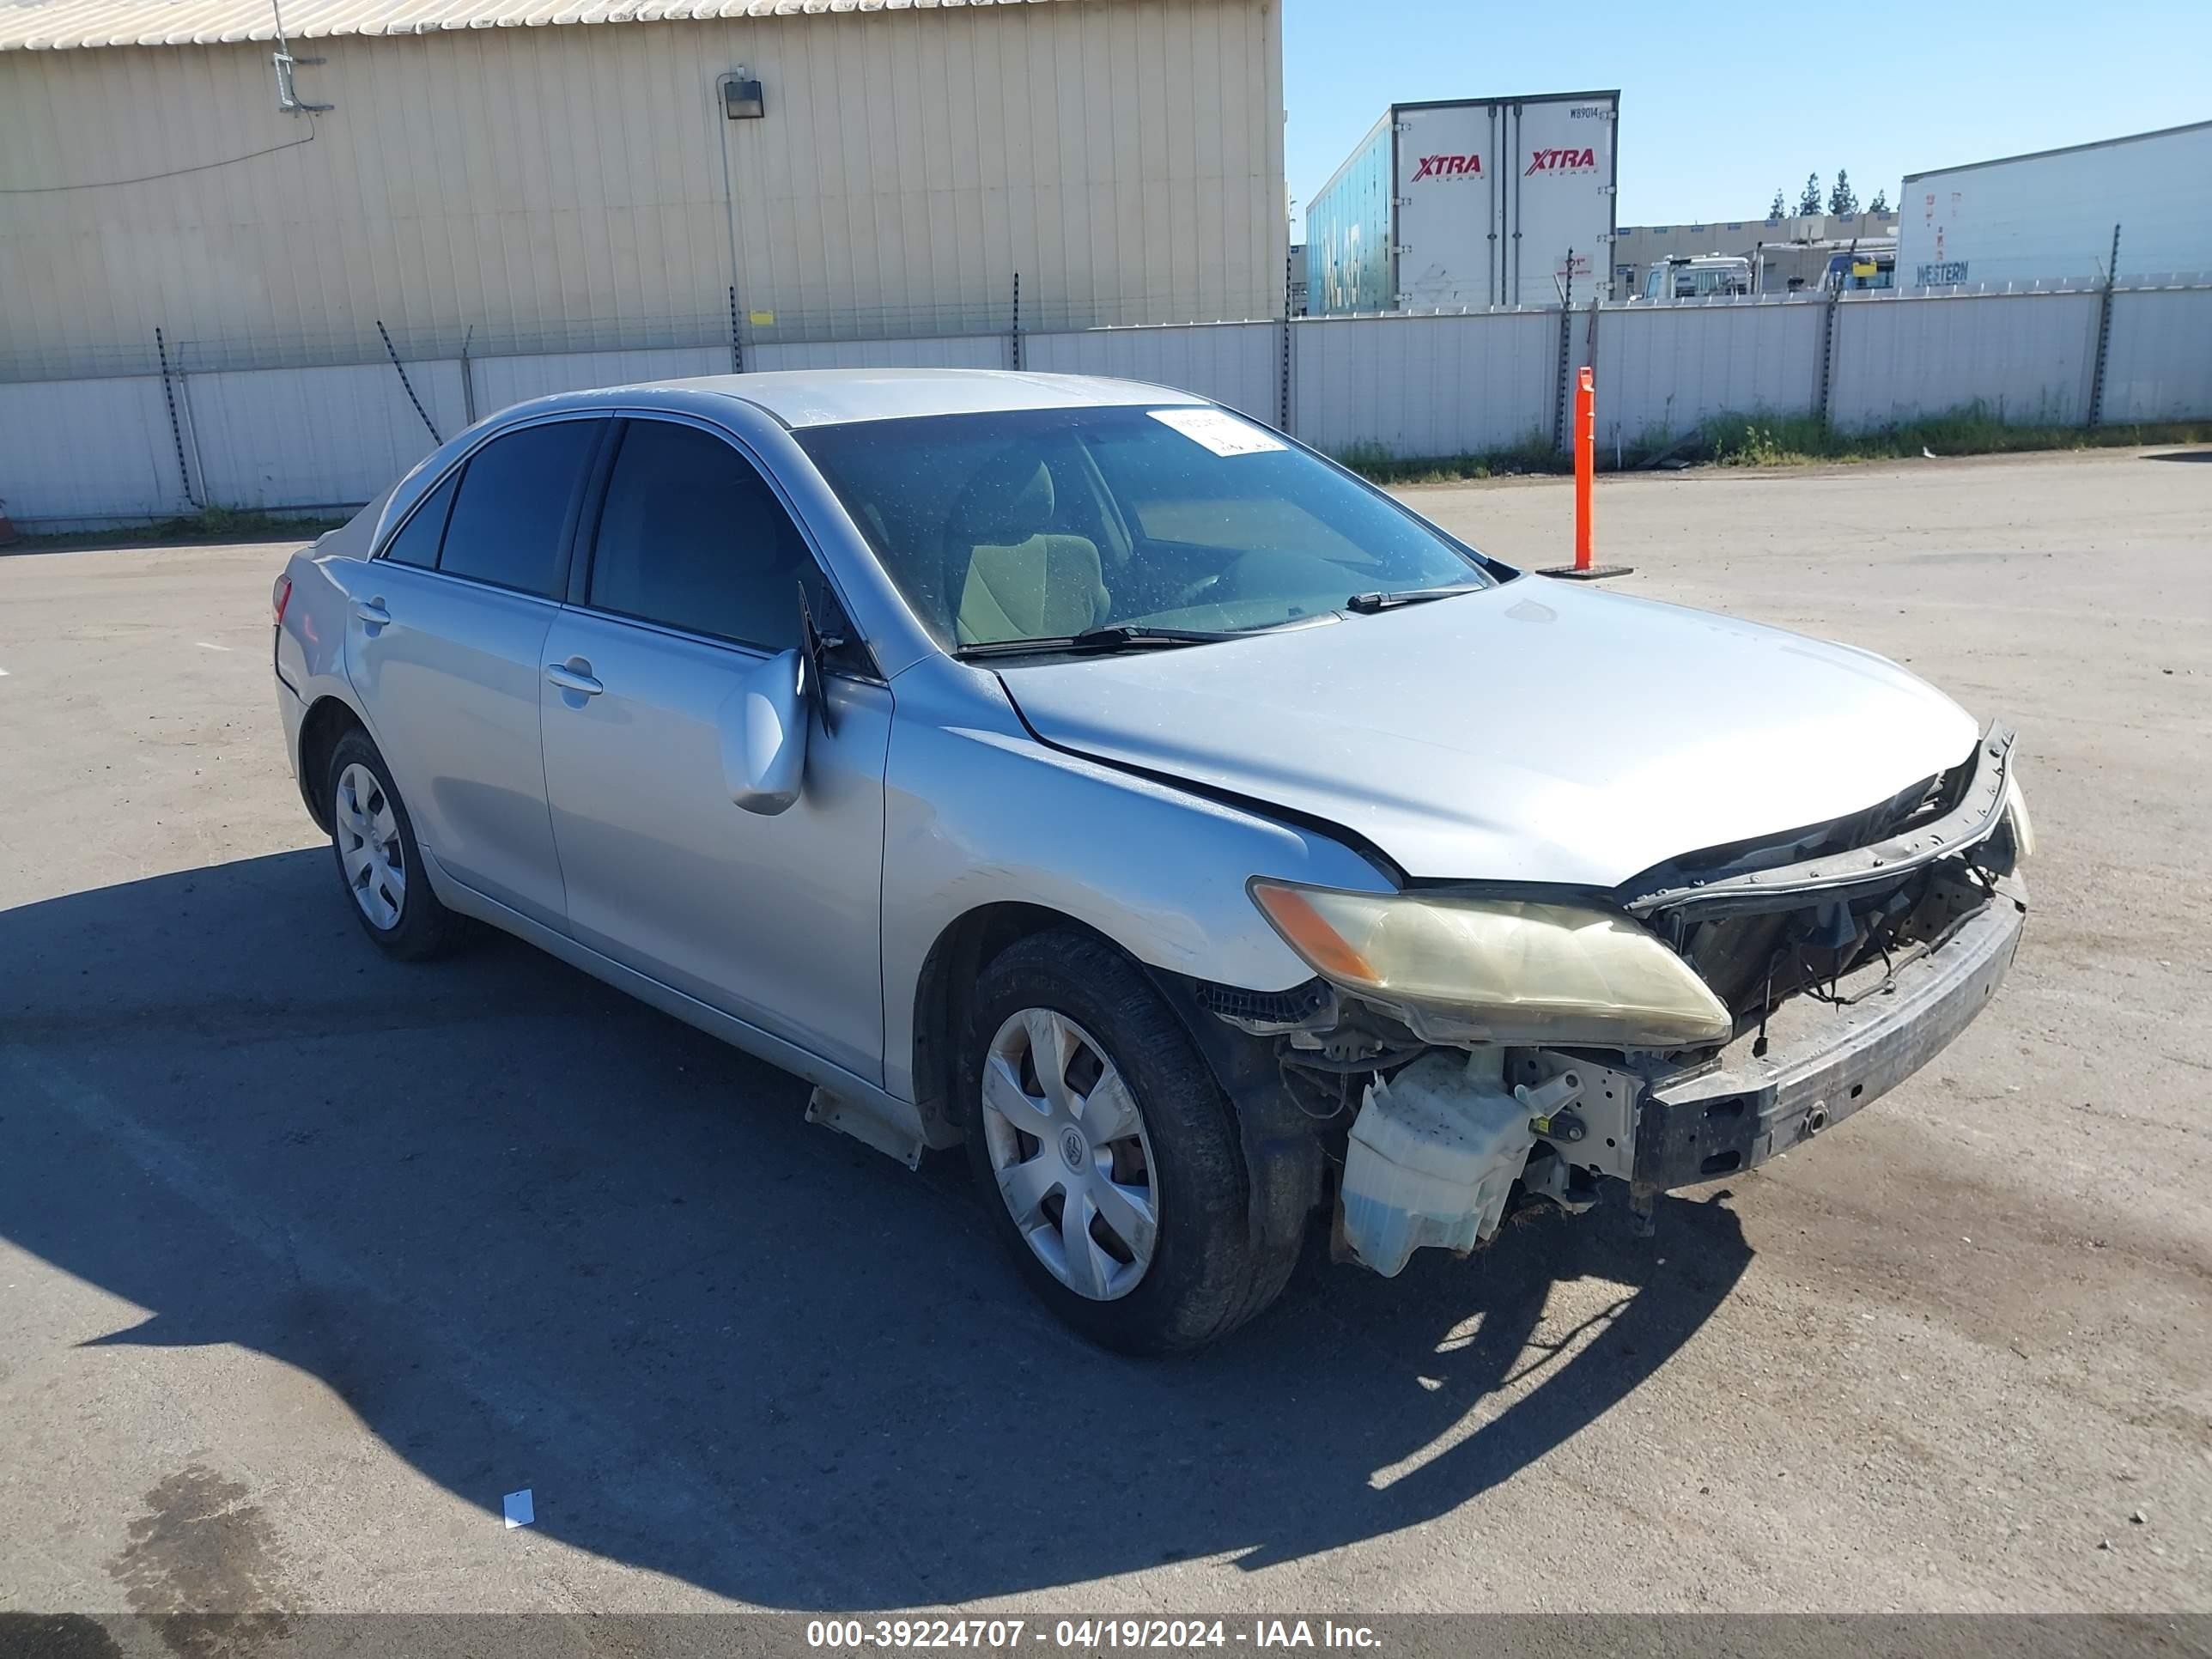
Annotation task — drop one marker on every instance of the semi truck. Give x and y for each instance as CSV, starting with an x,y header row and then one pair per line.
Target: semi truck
x,y
2048,216
1696,276
1468,202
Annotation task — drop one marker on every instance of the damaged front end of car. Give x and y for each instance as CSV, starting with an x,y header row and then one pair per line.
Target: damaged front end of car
x,y
1464,1050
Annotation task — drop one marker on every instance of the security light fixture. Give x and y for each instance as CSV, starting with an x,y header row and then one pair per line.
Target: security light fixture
x,y
741,98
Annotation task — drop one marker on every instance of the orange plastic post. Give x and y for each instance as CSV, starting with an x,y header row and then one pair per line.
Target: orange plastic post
x,y
1585,463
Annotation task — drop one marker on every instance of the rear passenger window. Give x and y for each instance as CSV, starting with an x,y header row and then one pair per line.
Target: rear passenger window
x,y
691,537
507,523
416,543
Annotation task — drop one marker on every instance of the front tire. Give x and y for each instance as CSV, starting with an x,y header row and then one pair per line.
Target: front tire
x,y
380,863
1106,1151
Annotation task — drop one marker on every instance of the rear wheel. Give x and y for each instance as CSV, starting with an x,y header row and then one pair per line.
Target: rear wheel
x,y
1106,1151
379,861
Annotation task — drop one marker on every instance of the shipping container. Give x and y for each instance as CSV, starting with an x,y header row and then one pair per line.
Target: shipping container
x,y
2049,217
1468,202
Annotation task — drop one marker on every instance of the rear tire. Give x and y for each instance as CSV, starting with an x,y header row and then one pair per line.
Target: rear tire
x,y
380,863
1139,1130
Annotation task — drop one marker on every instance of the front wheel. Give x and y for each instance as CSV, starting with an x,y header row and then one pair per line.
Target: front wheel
x,y
1107,1153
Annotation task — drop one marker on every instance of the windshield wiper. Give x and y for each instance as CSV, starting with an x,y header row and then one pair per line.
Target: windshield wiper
x,y
1114,636
1367,604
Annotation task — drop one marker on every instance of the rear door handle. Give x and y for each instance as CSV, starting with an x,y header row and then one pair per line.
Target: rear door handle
x,y
575,675
372,612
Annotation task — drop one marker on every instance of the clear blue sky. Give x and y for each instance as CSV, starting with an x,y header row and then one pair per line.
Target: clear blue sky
x,y
1722,102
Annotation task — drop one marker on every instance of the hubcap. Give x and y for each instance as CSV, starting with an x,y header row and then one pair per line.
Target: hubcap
x,y
368,846
1068,1147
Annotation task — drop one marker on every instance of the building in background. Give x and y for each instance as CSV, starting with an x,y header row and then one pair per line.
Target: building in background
x,y
1785,254
1468,202
2052,216
788,169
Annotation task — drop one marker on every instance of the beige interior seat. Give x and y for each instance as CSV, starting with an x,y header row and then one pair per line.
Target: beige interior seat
x,y
1015,579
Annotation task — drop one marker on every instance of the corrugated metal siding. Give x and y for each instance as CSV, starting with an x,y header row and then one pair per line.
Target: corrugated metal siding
x,y
1666,368
1424,386
966,351
62,25
501,381
1239,364
2026,357
561,189
314,436
2158,365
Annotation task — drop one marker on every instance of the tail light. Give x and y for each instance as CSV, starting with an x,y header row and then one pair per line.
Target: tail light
x,y
281,597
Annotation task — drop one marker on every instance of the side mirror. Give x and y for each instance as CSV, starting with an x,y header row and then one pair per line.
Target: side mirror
x,y
763,730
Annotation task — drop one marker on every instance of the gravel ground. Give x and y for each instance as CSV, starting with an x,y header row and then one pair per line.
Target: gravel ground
x,y
307,1259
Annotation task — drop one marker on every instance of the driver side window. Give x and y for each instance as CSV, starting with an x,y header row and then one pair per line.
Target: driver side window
x,y
691,537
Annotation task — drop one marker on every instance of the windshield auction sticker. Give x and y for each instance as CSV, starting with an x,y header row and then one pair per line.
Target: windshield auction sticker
x,y
1219,430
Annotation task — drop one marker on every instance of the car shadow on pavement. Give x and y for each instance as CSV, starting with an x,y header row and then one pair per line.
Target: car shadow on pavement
x,y
534,1234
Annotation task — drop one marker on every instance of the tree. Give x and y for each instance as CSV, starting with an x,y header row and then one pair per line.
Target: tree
x,y
1843,199
1881,202
1780,209
1809,201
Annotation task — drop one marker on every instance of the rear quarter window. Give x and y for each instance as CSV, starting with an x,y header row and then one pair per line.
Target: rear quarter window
x,y
416,543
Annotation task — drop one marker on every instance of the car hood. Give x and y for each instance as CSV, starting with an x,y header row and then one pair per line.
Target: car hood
x,y
1537,731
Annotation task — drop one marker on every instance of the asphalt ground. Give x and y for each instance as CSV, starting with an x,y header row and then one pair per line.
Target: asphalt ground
x,y
307,1259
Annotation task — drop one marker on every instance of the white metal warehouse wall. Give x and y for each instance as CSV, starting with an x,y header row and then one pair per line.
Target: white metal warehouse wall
x,y
1398,386
562,188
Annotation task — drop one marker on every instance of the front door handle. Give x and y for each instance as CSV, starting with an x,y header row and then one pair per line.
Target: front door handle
x,y
574,674
372,612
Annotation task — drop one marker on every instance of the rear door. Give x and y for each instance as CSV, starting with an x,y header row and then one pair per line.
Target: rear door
x,y
693,579
1563,194
1448,196
443,647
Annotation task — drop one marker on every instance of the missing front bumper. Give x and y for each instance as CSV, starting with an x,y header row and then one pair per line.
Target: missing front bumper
x,y
1722,1122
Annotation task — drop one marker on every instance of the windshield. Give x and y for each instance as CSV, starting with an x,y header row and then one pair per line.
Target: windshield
x,y
1049,524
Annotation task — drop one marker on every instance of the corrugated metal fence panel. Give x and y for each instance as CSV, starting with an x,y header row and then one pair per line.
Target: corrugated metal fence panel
x,y
963,351
87,449
1404,386
1411,387
2025,357
1666,368
1239,364
501,381
311,437
2159,364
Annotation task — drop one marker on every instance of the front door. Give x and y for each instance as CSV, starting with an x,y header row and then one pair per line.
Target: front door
x,y
693,578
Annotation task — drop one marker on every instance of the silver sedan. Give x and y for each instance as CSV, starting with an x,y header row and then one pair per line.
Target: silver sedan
x,y
1084,774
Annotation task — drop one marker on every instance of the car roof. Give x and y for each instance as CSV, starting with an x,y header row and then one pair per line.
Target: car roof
x,y
825,397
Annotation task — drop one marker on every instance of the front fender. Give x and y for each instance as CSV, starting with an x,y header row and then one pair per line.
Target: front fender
x,y
978,812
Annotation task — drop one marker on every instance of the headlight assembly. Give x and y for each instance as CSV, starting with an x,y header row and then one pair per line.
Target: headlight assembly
x,y
1504,969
